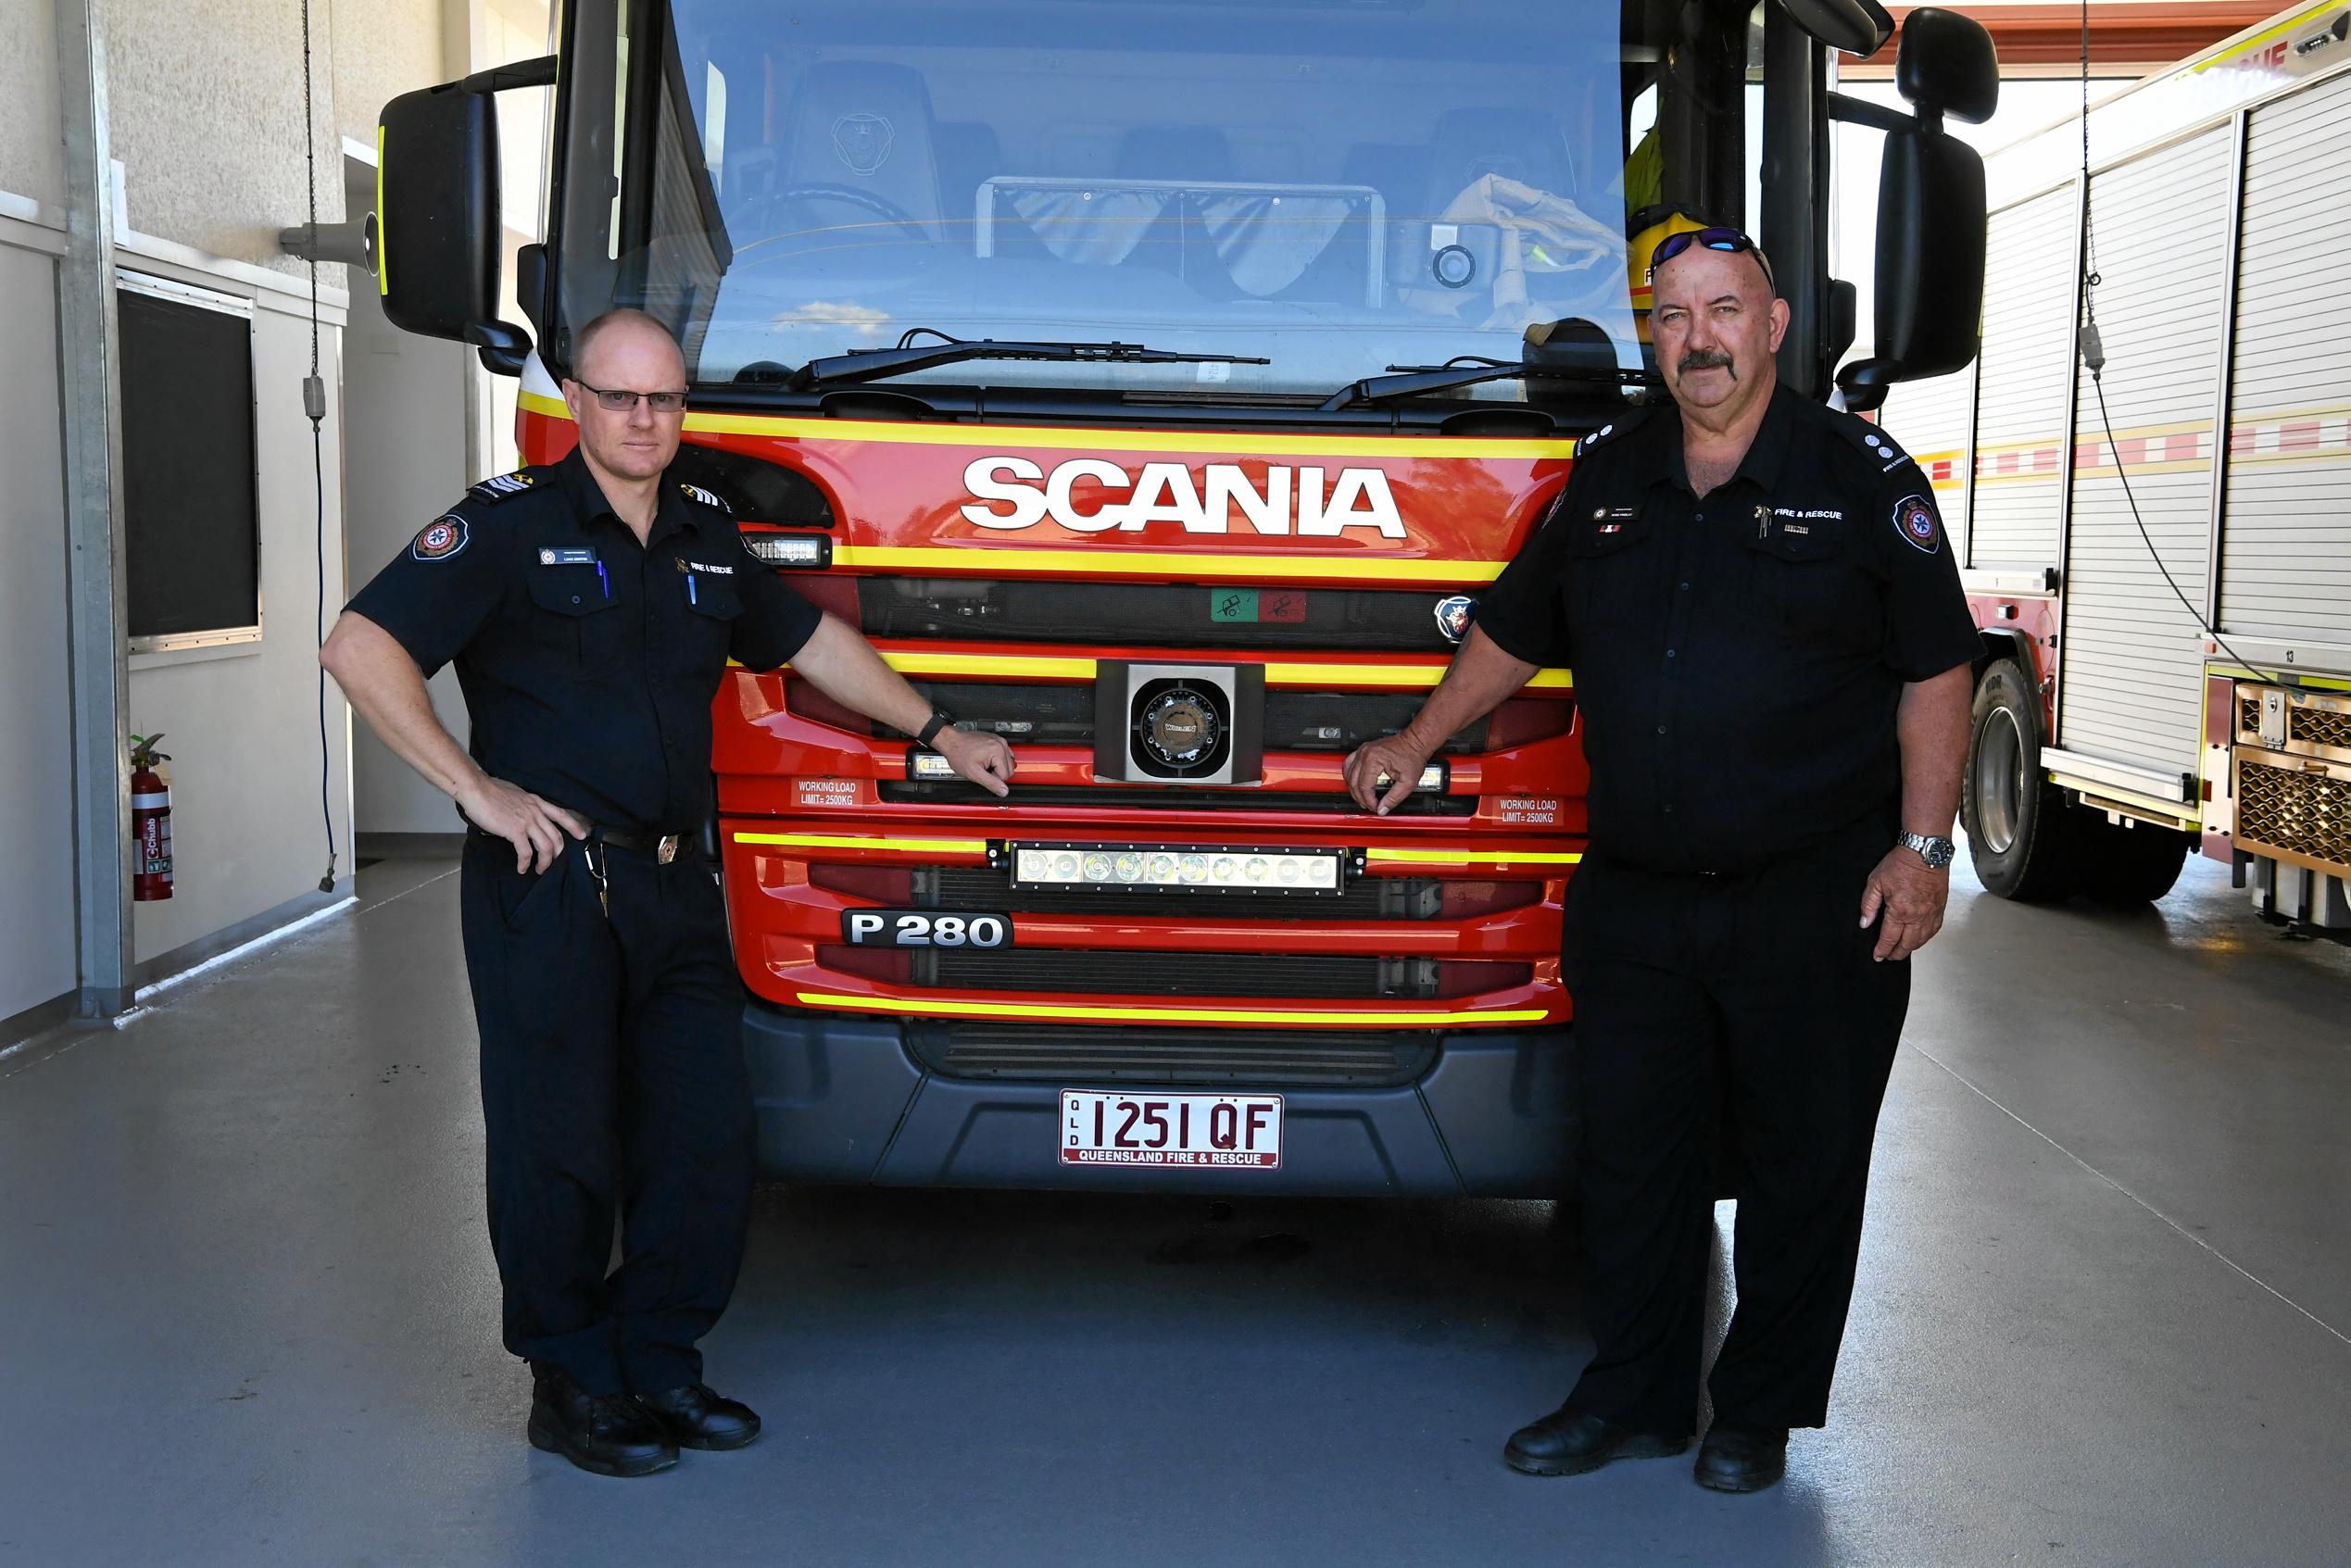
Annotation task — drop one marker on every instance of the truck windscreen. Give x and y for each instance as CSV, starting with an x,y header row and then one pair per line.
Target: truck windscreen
x,y
1335,187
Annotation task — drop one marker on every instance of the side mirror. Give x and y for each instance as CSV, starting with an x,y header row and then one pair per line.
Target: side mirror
x,y
1947,66
438,226
1856,27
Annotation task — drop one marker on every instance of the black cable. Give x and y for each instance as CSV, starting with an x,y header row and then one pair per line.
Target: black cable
x,y
314,406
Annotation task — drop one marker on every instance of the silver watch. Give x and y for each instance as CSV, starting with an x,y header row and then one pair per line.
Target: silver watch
x,y
1937,852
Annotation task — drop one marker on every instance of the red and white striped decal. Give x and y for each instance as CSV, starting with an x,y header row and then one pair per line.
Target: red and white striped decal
x,y
2308,435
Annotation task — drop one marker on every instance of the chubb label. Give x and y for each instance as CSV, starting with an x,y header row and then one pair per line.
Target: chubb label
x,y
1092,496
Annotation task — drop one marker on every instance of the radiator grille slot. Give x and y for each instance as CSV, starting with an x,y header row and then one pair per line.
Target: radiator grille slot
x,y
2299,807
1079,1053
1168,798
1111,971
1163,614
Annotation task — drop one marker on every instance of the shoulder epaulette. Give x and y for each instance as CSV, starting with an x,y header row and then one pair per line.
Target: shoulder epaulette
x,y
505,486
1875,443
1631,419
695,492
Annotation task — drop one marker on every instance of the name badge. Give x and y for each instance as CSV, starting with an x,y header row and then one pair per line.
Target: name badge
x,y
567,558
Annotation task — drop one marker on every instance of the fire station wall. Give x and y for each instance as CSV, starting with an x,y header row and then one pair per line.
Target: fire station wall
x,y
32,159
36,771
242,720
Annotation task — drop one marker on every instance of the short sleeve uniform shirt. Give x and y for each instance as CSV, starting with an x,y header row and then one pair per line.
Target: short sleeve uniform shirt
x,y
1737,656
589,661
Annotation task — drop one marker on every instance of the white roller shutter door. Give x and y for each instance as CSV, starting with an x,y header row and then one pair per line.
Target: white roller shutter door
x,y
2285,552
2130,680
2020,396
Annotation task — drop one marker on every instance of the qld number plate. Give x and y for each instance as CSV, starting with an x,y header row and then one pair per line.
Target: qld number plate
x,y
924,928
1240,1131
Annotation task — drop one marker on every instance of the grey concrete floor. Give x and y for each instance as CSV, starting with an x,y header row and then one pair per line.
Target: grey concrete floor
x,y
249,1315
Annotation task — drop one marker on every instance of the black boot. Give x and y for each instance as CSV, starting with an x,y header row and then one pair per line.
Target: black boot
x,y
698,1417
1568,1442
1742,1459
608,1433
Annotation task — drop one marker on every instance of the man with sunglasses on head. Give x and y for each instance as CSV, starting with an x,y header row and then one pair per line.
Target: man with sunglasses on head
x,y
1771,653
591,606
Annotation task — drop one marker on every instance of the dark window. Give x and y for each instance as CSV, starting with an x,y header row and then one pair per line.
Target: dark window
x,y
192,539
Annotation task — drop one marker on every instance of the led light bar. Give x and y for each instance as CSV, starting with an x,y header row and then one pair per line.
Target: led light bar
x,y
1178,867
791,549
1433,778
929,765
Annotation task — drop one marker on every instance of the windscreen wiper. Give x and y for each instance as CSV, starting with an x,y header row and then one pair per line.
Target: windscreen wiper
x,y
1469,370
875,364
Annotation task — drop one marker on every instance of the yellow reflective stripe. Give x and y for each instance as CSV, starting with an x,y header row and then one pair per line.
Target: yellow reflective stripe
x,y
1476,857
1169,1015
1177,564
844,841
1058,439
1049,667
383,272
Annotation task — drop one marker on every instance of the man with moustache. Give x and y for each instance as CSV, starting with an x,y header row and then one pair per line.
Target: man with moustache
x,y
591,606
1771,653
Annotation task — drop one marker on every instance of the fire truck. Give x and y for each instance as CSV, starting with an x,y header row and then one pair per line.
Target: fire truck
x,y
1156,384
2148,471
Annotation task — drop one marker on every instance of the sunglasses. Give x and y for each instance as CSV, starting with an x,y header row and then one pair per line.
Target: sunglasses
x,y
618,400
1711,239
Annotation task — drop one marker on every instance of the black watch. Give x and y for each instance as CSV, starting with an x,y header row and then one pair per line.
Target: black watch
x,y
940,721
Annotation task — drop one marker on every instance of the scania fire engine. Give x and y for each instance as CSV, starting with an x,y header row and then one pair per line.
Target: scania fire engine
x,y
2149,472
1157,384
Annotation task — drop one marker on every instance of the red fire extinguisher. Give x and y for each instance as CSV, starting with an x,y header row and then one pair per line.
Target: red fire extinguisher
x,y
150,822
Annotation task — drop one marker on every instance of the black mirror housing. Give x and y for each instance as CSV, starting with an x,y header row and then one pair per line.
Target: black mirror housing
x,y
1947,66
1931,257
438,225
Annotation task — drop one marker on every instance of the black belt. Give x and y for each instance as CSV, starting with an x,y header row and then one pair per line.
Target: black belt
x,y
663,848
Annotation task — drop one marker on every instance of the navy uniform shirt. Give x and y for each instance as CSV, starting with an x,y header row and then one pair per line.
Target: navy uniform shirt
x,y
1737,656
589,660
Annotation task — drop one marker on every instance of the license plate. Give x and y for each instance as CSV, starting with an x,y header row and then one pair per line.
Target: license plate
x,y
924,928
1242,1132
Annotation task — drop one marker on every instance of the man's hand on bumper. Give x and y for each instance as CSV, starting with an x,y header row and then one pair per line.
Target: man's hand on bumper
x,y
984,759
1910,895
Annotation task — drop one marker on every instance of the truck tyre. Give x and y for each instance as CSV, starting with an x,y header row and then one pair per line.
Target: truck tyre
x,y
2127,864
2016,820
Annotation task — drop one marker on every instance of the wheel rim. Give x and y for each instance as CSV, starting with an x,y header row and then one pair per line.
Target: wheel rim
x,y
1999,780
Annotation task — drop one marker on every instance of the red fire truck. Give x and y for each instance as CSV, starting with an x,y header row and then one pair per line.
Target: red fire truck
x,y
1157,384
2149,473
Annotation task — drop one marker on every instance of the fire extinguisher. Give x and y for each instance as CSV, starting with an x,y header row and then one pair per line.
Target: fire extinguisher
x,y
150,822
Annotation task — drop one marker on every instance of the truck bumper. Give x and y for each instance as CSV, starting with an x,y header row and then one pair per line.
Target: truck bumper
x,y
842,1100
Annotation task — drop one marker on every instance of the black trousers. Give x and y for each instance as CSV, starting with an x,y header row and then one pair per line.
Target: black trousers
x,y
614,1087
1769,977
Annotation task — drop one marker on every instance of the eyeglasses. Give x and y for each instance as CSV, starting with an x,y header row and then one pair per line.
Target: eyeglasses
x,y
620,400
1712,239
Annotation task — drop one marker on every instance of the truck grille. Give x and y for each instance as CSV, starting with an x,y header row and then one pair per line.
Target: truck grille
x,y
1079,1053
1164,615
2295,805
1165,798
1100,971
1295,721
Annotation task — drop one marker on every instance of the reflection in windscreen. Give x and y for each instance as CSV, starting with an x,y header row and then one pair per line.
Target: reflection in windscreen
x,y
1337,187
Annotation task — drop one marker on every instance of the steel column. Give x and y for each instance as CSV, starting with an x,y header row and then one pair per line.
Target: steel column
x,y
89,362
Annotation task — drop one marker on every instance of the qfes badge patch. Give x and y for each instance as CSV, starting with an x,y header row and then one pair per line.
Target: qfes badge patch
x,y
1915,519
440,540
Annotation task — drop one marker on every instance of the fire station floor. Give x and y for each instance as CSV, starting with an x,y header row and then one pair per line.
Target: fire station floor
x,y
249,1313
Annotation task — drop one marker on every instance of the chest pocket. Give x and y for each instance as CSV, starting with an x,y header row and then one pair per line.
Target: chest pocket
x,y
575,620
708,627
1609,570
1802,577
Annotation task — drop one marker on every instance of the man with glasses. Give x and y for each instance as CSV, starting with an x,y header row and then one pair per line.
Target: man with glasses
x,y
590,607
1771,653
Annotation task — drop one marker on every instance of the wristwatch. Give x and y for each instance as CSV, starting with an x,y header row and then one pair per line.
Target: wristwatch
x,y
940,719
1937,852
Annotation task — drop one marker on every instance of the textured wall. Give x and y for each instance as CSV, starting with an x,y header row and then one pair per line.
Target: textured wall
x,y
206,98
36,754
31,163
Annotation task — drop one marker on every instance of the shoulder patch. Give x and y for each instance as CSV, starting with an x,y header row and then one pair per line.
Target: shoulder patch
x,y
504,486
695,492
441,539
1629,420
1915,519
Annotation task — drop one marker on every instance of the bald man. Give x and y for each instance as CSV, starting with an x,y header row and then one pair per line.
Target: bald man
x,y
1772,663
590,607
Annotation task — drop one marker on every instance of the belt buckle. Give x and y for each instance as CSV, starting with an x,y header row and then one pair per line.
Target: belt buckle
x,y
668,851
